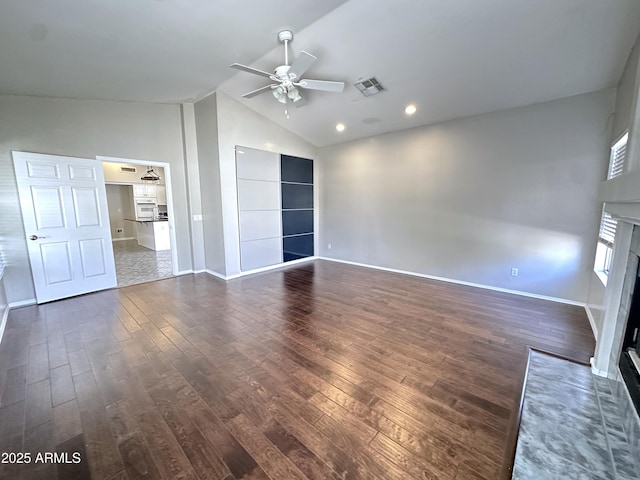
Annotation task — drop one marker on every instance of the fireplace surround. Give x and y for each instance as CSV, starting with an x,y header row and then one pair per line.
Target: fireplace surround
x,y
629,359
613,340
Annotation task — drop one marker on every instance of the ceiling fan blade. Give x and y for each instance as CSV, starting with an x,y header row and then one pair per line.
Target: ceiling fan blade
x,y
300,103
255,71
266,88
324,85
301,64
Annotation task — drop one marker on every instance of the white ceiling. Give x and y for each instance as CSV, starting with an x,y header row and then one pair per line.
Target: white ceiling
x,y
451,58
163,51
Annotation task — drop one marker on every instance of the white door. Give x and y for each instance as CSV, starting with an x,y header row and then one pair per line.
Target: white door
x,y
66,222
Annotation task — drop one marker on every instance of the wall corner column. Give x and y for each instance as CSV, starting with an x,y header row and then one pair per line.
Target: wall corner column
x,y
190,148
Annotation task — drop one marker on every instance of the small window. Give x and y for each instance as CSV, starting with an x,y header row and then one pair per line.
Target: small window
x,y
618,157
604,250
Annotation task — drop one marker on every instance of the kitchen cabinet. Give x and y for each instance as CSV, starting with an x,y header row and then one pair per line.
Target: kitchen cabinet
x,y
161,195
144,190
153,235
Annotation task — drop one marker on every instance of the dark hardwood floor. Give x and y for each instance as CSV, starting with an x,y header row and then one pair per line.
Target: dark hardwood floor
x,y
321,370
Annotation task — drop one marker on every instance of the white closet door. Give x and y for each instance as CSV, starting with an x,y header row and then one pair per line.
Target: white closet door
x,y
259,208
258,225
258,165
260,253
254,195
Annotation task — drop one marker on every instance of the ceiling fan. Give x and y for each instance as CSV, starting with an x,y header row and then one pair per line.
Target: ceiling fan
x,y
287,77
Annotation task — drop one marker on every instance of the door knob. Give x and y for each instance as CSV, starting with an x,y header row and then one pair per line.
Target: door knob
x,y
35,237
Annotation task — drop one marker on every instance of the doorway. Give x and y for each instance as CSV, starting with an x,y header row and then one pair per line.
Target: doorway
x,y
141,220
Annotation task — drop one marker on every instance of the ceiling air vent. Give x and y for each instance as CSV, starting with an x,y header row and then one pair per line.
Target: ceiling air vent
x,y
128,169
370,86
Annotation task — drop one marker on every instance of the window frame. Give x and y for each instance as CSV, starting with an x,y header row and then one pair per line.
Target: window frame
x,y
618,156
608,225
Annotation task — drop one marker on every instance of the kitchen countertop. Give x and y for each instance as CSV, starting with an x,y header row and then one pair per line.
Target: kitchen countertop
x,y
156,219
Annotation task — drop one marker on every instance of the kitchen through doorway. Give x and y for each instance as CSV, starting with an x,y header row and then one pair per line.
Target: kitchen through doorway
x,y
141,219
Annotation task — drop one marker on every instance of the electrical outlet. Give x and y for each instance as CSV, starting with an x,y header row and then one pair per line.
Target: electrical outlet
x,y
329,246
119,230
514,272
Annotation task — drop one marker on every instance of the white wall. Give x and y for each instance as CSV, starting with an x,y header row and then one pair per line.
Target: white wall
x,y
112,173
238,125
471,198
120,201
84,128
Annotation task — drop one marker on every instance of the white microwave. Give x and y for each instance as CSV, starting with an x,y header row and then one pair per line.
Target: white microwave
x,y
145,209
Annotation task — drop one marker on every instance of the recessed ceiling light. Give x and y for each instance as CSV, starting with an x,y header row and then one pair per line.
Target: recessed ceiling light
x,y
340,127
410,109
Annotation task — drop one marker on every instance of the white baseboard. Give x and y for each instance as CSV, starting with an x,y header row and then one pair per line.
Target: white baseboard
x,y
601,373
459,282
23,303
5,314
215,274
122,239
183,272
597,371
592,321
259,270
270,267
3,322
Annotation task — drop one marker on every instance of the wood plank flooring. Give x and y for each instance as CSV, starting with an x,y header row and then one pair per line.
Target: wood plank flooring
x,y
321,370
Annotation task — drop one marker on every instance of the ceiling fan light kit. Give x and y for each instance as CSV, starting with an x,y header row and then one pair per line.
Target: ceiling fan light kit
x,y
288,78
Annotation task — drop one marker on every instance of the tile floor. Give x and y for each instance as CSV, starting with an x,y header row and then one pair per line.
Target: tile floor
x,y
571,427
136,264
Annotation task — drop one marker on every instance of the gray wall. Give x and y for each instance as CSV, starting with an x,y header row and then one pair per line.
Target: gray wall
x,y
84,128
120,201
4,305
471,198
206,120
624,112
193,184
625,94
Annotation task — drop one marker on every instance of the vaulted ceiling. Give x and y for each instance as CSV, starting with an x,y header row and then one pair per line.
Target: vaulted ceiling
x,y
449,58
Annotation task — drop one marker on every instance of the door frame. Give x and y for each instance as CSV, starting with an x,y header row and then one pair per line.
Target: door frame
x,y
170,210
